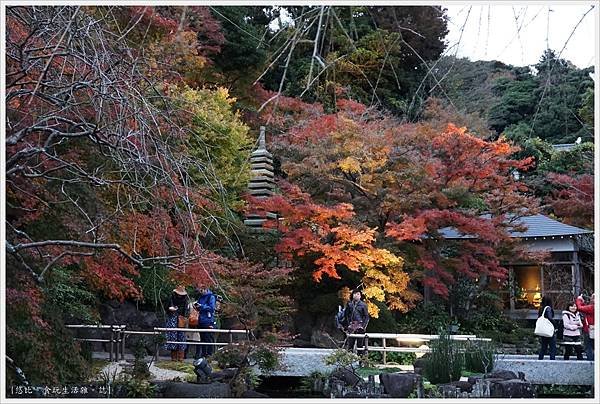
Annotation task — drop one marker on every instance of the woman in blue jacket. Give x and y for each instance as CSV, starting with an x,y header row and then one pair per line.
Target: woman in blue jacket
x,y
206,305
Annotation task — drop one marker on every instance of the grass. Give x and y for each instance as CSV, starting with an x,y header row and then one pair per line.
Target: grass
x,y
466,373
177,366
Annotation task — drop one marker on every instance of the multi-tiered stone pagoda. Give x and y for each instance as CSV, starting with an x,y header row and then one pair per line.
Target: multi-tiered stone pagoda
x,y
261,183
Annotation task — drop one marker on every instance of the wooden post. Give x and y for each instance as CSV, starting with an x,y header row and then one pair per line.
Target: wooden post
x,y
230,337
576,275
366,345
110,344
123,343
384,352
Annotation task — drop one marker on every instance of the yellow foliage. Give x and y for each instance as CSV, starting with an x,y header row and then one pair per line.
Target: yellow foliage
x,y
373,309
344,294
375,293
349,165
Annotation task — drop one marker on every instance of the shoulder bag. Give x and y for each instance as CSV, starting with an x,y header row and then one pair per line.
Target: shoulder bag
x,y
543,326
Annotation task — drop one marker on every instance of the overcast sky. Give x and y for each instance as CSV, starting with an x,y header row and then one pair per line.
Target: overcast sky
x,y
491,32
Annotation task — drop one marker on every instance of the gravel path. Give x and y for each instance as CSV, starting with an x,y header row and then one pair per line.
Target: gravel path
x,y
157,373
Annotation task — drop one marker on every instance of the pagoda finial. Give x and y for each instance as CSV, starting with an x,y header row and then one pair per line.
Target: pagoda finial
x,y
261,139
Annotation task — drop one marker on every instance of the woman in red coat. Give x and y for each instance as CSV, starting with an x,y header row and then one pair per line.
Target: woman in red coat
x,y
588,320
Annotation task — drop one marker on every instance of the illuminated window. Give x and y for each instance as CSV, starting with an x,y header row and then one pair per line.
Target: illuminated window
x,y
527,287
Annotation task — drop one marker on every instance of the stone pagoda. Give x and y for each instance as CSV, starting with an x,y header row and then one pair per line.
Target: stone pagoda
x,y
261,183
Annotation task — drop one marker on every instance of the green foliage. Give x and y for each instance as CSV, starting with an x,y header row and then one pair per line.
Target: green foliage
x,y
219,136
341,358
367,371
516,103
564,391
385,322
177,366
141,368
128,385
426,318
431,391
473,86
544,105
578,160
313,383
242,55
266,358
220,140
479,356
230,356
586,112
399,358
67,292
444,362
156,285
263,354
43,347
139,388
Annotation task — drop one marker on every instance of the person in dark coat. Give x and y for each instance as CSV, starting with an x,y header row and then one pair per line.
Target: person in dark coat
x,y
206,305
356,318
177,306
547,343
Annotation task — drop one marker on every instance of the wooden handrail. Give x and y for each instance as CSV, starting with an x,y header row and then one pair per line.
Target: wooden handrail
x,y
215,330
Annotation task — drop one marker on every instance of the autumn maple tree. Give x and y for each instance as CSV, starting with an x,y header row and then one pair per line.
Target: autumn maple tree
x,y
333,241
408,183
118,162
573,198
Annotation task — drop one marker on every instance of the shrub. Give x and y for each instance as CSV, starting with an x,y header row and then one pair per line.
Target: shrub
x,y
141,369
341,358
479,356
155,284
400,358
444,362
385,323
426,318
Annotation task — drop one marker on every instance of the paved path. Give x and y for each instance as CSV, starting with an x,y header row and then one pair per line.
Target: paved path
x,y
546,371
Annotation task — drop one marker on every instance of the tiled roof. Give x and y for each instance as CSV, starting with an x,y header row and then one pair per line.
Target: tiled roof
x,y
537,226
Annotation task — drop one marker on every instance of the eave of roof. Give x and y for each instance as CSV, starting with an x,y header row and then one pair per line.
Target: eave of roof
x,y
538,227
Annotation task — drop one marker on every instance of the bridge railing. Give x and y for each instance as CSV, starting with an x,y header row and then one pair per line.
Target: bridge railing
x,y
404,339
119,333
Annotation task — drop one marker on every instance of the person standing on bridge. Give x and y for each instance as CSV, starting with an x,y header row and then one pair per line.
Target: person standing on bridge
x,y
547,342
588,324
572,326
356,316
177,315
206,305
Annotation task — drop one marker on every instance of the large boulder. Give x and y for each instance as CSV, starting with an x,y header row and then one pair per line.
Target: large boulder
x,y
399,385
193,390
129,314
419,364
512,388
223,375
348,377
502,374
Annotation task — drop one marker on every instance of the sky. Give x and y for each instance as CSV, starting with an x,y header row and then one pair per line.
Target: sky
x,y
490,32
